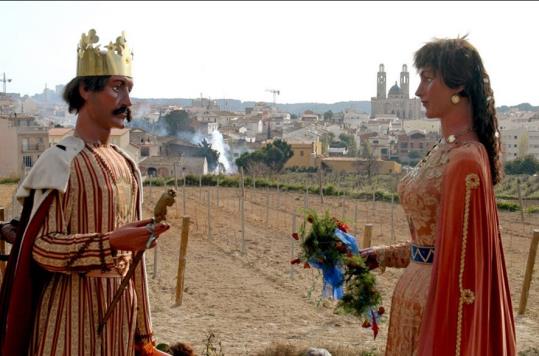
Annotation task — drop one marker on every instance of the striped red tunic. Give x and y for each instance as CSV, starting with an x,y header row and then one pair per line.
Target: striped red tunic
x,y
102,195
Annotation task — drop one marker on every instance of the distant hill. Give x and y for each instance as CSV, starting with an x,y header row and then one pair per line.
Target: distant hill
x,y
296,108
521,107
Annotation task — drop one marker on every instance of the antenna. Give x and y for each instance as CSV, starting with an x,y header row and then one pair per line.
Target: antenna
x,y
4,81
275,92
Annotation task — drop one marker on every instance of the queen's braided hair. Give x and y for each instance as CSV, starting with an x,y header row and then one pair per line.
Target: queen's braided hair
x,y
459,64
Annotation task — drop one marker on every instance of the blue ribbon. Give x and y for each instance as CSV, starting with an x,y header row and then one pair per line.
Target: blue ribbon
x,y
334,275
348,240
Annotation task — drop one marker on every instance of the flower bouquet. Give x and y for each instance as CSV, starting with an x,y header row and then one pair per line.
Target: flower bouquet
x,y
329,247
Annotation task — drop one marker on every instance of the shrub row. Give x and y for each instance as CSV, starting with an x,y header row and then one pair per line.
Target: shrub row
x,y
328,189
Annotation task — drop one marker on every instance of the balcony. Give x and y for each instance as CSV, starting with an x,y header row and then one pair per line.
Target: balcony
x,y
34,147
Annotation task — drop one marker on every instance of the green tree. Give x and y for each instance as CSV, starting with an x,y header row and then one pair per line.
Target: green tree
x,y
212,156
273,155
177,121
525,165
326,139
285,147
328,115
350,143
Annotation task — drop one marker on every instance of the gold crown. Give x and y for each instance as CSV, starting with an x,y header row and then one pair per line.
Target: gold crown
x,y
91,61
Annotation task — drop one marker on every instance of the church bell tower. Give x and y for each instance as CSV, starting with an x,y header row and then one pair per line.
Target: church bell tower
x,y
405,82
381,83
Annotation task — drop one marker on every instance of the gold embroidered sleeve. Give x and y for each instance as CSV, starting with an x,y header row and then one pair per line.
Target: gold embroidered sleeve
x,y
397,256
58,251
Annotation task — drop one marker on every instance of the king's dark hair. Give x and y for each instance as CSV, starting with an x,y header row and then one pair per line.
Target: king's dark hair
x,y
459,64
71,92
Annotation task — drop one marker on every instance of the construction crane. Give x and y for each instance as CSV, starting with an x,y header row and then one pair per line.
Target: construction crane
x,y
275,93
4,81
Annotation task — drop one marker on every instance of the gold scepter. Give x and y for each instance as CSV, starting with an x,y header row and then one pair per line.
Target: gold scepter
x,y
160,214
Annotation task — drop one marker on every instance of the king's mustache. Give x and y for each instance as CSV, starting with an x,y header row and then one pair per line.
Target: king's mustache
x,y
121,110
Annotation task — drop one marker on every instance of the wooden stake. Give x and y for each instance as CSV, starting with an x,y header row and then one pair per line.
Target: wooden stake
x,y
355,220
181,261
393,237
217,192
529,271
343,217
367,236
209,215
520,201
320,188
200,188
183,193
267,205
242,213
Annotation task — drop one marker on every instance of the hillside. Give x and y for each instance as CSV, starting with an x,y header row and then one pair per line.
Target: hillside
x,y
294,108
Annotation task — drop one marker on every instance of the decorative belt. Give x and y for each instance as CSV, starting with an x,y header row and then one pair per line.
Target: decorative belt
x,y
422,254
112,273
121,265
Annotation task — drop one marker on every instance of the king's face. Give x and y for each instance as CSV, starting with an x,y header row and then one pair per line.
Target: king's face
x,y
110,106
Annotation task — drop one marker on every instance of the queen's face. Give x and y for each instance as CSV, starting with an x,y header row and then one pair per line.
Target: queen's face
x,y
434,94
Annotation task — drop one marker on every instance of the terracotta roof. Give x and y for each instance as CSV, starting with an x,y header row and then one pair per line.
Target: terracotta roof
x,y
59,131
118,132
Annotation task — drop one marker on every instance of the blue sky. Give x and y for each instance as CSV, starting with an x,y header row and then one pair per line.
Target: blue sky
x,y
310,51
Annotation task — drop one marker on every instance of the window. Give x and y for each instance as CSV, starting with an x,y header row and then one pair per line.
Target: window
x,y
27,161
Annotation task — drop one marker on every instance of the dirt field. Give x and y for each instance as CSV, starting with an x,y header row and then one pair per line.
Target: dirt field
x,y
252,299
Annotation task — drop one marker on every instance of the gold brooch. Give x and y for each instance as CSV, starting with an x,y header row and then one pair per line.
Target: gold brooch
x,y
468,297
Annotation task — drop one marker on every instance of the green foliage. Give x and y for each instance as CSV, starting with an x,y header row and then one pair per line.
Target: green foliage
x,y
274,156
212,156
328,115
321,245
525,165
414,155
533,210
320,242
9,180
350,143
505,205
177,121
531,351
361,294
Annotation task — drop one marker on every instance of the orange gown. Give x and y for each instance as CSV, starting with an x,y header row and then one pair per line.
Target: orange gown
x,y
460,304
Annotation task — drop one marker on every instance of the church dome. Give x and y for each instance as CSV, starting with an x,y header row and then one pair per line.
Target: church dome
x,y
395,90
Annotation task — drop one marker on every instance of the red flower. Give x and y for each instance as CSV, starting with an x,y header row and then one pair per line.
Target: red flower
x,y
381,310
340,247
306,265
295,261
349,254
366,324
343,227
295,236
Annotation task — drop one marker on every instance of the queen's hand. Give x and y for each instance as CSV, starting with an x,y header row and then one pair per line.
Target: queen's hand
x,y
369,255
